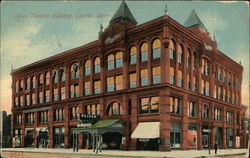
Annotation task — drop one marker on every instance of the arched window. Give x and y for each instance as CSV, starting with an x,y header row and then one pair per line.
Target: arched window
x,y
205,66
119,59
21,85
180,53
220,73
47,76
40,81
17,86
195,61
171,50
55,76
156,49
33,83
205,112
97,65
133,52
188,58
114,109
74,71
144,52
62,75
111,62
87,68
28,83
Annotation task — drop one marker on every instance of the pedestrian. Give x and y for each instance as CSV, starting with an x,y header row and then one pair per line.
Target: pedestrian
x,y
215,147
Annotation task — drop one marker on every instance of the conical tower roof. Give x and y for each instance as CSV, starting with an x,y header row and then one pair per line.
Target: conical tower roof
x,y
194,21
123,13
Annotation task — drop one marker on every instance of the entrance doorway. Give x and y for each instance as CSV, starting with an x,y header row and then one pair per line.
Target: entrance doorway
x,y
149,144
112,140
43,139
59,137
30,138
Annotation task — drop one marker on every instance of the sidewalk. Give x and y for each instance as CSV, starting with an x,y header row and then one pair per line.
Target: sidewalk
x,y
119,153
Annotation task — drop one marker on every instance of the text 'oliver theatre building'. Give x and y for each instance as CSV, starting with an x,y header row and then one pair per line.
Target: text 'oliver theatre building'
x,y
164,84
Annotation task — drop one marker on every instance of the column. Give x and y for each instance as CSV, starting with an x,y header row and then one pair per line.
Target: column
x,y
176,64
51,136
67,86
81,79
125,112
149,64
81,136
184,145
66,127
134,121
163,64
185,67
224,130
199,130
192,70
165,120
36,134
23,130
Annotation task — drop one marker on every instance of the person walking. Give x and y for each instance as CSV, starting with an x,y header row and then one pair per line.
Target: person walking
x,y
215,147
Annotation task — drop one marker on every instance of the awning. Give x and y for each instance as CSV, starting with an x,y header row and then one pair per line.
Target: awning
x,y
147,130
102,127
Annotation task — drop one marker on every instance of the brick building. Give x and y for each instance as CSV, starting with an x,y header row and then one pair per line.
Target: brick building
x,y
161,77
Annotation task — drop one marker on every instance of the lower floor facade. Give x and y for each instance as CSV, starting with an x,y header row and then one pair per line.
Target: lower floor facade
x,y
185,121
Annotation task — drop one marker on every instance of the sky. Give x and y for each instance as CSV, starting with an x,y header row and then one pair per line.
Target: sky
x,y
31,31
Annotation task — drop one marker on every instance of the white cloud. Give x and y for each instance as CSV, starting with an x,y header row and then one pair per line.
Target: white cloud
x,y
213,22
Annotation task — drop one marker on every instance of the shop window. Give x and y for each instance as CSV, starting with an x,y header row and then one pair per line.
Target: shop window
x,y
47,77
119,82
175,105
149,105
156,49
93,109
110,84
74,90
171,50
180,54
172,75
192,135
63,92
144,52
87,88
132,80
55,95
192,109
59,115
74,113
74,71
97,64
114,109
133,52
59,137
55,76
156,75
62,75
175,135
43,117
97,87
144,77
205,112
87,68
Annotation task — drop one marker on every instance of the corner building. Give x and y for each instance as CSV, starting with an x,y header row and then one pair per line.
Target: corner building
x,y
167,82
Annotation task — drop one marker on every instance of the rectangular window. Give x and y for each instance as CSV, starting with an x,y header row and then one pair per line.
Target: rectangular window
x,y
33,98
218,114
93,109
188,82
195,84
229,117
149,105
40,97
110,84
171,55
207,89
171,71
180,79
156,53
156,75
43,117
55,94
192,109
74,113
74,91
59,115
175,105
47,96
132,59
87,71
132,80
87,88
154,103
97,69
97,86
63,93
144,56
219,92
27,99
119,63
215,91
144,77
119,82
111,65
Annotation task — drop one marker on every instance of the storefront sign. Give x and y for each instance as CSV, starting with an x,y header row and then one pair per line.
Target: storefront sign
x,y
84,125
87,120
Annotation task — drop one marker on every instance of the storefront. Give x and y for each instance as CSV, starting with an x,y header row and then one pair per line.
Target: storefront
x,y
42,137
148,134
59,137
17,138
175,135
219,137
205,136
29,137
229,137
192,136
